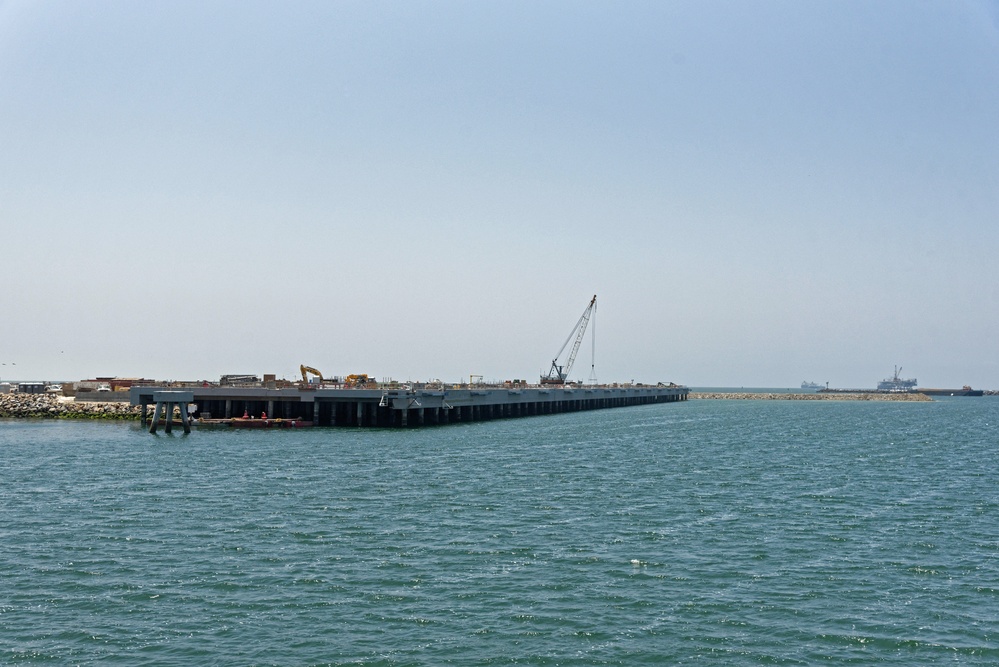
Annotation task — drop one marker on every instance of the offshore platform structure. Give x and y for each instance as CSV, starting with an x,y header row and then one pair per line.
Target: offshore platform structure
x,y
558,373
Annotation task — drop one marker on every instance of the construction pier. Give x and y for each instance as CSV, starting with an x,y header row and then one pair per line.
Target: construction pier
x,y
398,407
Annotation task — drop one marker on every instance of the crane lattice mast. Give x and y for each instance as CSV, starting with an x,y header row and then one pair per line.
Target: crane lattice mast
x,y
593,348
558,373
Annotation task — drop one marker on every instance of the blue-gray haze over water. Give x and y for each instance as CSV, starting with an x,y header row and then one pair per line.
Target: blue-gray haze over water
x,y
713,531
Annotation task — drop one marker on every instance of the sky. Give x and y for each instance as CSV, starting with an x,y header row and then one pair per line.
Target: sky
x,y
759,193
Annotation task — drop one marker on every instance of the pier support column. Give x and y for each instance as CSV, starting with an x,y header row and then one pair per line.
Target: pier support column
x,y
168,399
156,417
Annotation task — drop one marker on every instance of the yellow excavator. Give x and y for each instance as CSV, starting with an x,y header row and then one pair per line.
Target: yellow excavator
x,y
309,369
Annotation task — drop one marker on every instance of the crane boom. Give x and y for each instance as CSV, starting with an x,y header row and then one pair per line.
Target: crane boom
x,y
558,373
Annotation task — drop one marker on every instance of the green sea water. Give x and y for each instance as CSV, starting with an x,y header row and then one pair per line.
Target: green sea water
x,y
707,532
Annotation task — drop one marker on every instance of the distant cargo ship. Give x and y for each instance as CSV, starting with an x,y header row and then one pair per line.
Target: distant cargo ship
x,y
810,385
963,391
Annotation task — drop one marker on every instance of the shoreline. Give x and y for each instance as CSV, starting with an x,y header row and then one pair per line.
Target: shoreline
x,y
48,406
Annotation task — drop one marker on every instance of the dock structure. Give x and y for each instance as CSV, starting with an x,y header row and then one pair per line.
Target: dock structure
x,y
402,407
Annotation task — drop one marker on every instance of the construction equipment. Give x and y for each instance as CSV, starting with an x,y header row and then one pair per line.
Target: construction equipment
x,y
559,373
357,380
309,369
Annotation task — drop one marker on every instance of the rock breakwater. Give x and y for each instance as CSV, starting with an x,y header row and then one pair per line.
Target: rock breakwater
x,y
47,406
867,396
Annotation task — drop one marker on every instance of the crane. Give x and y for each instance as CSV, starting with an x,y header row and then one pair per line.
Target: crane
x,y
559,373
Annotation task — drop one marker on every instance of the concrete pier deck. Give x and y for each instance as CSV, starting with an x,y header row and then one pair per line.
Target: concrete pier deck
x,y
406,407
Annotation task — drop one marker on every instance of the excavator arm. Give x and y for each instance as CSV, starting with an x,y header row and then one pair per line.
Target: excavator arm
x,y
309,369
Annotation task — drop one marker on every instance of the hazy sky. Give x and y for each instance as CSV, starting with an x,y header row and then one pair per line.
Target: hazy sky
x,y
758,192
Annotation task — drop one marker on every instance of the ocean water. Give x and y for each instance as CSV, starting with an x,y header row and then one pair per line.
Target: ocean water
x,y
723,532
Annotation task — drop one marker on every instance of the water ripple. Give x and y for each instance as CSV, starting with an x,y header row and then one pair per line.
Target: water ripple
x,y
749,533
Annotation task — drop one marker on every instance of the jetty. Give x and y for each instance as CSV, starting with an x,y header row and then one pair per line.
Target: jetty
x,y
820,396
400,407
